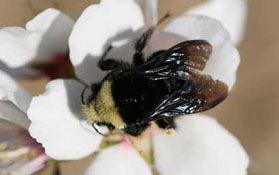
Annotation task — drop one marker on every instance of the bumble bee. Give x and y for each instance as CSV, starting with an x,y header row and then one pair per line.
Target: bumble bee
x,y
165,85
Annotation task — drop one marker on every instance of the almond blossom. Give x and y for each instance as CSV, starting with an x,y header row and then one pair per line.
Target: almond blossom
x,y
232,14
19,152
198,146
41,45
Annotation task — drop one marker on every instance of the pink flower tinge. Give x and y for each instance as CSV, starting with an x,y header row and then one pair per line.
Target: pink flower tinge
x,y
37,45
19,152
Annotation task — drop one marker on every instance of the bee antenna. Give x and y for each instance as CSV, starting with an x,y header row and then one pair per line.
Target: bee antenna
x,y
93,125
82,95
83,91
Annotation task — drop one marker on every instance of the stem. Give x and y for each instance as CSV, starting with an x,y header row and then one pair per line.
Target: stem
x,y
56,169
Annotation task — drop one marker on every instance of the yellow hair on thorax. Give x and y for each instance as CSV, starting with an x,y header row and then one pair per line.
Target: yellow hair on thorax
x,y
103,109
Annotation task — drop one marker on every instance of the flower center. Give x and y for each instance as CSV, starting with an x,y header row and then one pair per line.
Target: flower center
x,y
59,66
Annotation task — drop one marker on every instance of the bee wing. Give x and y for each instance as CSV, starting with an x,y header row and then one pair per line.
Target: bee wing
x,y
194,53
199,92
176,61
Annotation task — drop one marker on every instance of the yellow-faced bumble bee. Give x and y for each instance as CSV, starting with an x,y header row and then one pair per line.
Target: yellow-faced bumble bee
x,y
165,85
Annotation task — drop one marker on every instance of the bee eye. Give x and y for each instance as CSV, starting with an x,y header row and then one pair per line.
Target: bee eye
x,y
130,100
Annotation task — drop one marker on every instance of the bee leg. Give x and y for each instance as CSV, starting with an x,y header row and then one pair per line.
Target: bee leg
x,y
135,130
108,64
140,44
166,123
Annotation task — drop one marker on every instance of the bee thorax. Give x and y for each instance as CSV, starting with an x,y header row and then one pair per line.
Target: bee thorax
x,y
103,108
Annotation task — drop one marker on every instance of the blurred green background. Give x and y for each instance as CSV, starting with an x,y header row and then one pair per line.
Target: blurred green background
x,y
251,112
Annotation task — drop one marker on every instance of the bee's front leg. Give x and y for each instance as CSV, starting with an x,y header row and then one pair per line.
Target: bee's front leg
x,y
166,123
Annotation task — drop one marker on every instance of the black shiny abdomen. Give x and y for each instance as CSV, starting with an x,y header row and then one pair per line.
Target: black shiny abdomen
x,y
135,96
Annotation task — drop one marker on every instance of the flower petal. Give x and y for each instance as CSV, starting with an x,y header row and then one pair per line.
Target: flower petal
x,y
19,152
150,11
56,122
225,59
10,112
45,35
14,101
11,91
119,159
108,23
11,133
231,13
201,146
19,72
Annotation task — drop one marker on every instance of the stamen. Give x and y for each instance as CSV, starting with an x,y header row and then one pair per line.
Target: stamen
x,y
15,153
33,165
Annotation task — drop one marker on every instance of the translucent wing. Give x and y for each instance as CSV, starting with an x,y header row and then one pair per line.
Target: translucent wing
x,y
176,61
197,93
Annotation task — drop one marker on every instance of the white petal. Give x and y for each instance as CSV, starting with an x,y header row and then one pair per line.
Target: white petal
x,y
110,22
12,133
10,112
231,13
11,91
150,11
56,122
19,152
119,159
45,35
201,146
17,73
225,59
14,101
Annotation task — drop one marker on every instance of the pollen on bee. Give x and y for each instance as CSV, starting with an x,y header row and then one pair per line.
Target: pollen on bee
x,y
150,125
169,132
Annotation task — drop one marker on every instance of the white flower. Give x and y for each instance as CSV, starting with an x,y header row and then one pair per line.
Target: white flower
x,y
199,146
19,152
232,14
44,39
